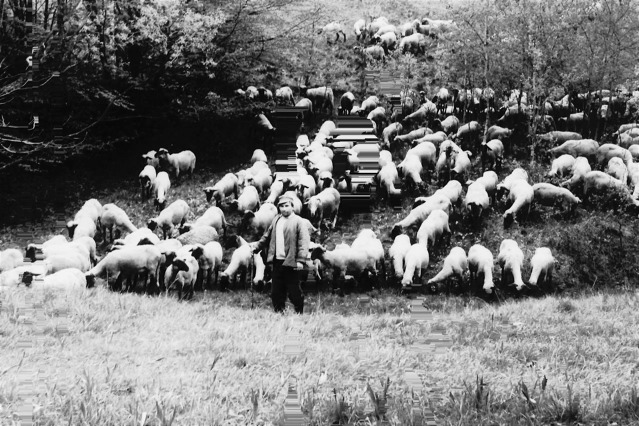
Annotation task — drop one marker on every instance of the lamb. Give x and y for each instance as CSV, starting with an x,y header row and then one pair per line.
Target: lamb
x,y
510,259
617,169
386,178
492,154
66,279
202,234
421,212
550,195
226,186
455,264
128,261
151,159
259,220
562,165
324,205
32,248
522,196
411,168
84,245
577,148
258,155
476,201
368,242
147,181
183,275
542,264
580,168
433,227
480,264
171,216
416,260
10,258
397,253
113,215
240,262
249,199
161,189
453,190
180,163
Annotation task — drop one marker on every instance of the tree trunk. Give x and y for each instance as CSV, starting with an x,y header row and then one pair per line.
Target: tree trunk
x,y
45,18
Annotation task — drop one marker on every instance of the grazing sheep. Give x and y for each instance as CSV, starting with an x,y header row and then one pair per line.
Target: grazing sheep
x,y
633,175
385,157
455,264
261,180
413,135
492,154
114,216
421,212
92,209
386,178
397,253
171,216
511,259
213,216
128,261
609,150
135,237
489,179
462,166
600,181
453,190
13,277
432,228
449,125
522,196
284,96
258,155
480,264
416,260
306,188
505,186
542,264
368,242
209,257
176,164
550,195
259,220
562,165
343,260
426,152
411,168
249,199
147,181
68,259
390,132
65,279
582,147
346,103
31,248
198,235
468,133
10,258
83,245
580,168
476,201
240,262
497,132
82,227
437,138
559,137
324,205
617,169
277,189
228,185
161,190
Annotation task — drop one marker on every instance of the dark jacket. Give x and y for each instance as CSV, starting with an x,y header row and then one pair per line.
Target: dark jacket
x,y
296,240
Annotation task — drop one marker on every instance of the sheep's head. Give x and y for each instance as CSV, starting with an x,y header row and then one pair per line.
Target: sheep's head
x,y
162,153
152,224
397,230
318,252
27,278
181,265
185,228
160,204
71,225
209,192
30,252
247,219
90,280
198,251
509,219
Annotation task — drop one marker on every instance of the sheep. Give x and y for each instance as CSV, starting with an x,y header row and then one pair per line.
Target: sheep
x,y
346,103
542,264
240,262
397,253
284,96
449,125
411,168
249,199
327,127
258,155
385,157
580,168
82,227
343,260
65,279
113,215
561,165
476,201
92,209
378,117
151,159
213,216
359,28
556,137
30,250
437,138
522,196
368,242
505,185
608,150
421,212
125,262
390,132
183,276
624,128
64,260
171,216
259,220
453,190
416,260
432,228
161,189
135,237
13,277
617,169
413,135
10,258
83,245
492,154
550,195
626,140
226,186
147,181
386,178
306,188
634,151
497,132
511,259
180,163
633,175
302,142
462,166
468,133
316,167
324,205
489,180
598,181
455,264
198,235
582,147
261,180
480,263
278,188
426,152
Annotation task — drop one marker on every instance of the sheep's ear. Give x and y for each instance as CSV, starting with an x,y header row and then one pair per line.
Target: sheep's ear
x,y
197,252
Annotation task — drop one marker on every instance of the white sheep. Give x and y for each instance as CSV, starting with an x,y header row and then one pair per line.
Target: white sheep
x,y
124,263
413,135
600,181
476,201
302,142
114,216
249,200
92,209
213,216
10,258
432,228
562,165
66,279
390,132
324,205
609,150
202,234
179,163
492,154
453,190
455,264
161,189
84,226
261,180
542,264
515,175
511,259
480,264
147,181
151,159
306,188
13,277
174,214
368,242
633,176
259,270
418,214
323,164
278,188
68,259
416,260
386,178
327,127
617,169
385,157
489,179
258,155
85,246
580,168
209,257
32,248
522,196
240,262
182,275
135,237
259,220
343,260
550,195
397,253
462,165
411,168
426,152
226,186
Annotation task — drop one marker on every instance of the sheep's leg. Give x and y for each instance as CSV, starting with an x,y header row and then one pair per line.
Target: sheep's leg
x,y
199,280
111,233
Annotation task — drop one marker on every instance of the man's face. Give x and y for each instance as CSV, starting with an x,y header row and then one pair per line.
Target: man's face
x,y
286,208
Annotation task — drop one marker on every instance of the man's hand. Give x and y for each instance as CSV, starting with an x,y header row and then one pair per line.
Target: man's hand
x,y
253,246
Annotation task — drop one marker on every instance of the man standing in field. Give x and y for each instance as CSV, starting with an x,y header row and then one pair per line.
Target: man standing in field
x,y
287,240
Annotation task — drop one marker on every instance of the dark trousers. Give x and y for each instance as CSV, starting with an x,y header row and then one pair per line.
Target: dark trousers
x,y
286,280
